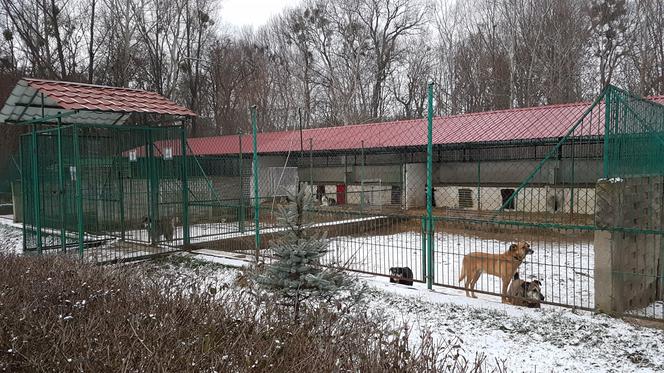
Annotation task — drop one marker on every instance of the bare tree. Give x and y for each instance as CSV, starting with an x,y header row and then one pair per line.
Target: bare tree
x,y
409,82
610,35
387,22
644,67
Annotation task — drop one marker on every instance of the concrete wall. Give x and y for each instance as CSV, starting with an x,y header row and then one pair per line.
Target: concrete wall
x,y
628,264
415,185
264,183
350,174
374,194
513,172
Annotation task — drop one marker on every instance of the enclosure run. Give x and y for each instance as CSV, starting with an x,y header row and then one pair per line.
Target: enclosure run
x,y
581,182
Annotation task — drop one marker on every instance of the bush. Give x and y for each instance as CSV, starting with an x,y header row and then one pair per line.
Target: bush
x,y
59,314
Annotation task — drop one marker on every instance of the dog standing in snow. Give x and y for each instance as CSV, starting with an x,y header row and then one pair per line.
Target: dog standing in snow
x,y
502,265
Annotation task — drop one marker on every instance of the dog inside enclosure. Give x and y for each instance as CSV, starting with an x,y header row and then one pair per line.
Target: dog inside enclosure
x,y
503,266
525,293
326,201
162,227
401,275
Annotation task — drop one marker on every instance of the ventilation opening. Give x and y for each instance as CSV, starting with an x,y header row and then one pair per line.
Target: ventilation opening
x,y
396,195
465,198
506,194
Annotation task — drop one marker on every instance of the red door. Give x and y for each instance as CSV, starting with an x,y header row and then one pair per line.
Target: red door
x,y
341,194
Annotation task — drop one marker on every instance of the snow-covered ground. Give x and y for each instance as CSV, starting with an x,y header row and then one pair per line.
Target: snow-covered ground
x,y
526,340
550,339
11,238
565,269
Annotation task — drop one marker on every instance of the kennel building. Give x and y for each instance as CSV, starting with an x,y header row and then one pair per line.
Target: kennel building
x,y
80,190
479,160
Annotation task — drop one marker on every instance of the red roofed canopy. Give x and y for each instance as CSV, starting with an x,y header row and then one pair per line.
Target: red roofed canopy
x,y
84,103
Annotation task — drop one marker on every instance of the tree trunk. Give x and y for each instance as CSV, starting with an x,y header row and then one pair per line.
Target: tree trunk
x,y
91,52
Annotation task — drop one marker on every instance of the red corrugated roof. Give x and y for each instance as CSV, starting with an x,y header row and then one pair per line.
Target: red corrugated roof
x,y
543,122
79,96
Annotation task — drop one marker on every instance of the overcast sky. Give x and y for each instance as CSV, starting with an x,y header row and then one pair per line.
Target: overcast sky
x,y
254,13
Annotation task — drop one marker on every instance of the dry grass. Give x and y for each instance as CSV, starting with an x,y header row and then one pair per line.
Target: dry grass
x,y
58,314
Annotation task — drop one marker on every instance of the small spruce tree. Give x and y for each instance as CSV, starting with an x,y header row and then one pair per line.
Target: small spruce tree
x,y
296,273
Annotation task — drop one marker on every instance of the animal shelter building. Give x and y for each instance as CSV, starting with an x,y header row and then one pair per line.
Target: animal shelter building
x,y
478,161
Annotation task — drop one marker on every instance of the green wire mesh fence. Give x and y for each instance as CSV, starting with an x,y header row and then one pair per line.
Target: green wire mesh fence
x,y
582,183
107,192
497,177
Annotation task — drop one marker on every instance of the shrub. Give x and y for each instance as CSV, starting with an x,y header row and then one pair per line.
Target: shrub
x,y
59,314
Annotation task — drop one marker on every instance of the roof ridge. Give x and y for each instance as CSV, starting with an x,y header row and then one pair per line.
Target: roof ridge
x,y
404,121
86,85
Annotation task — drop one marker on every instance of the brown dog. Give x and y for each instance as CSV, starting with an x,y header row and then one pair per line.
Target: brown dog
x,y
501,265
525,293
164,226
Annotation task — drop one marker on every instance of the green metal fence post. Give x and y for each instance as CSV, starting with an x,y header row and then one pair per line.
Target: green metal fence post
x,y
430,185
36,205
153,192
311,167
241,169
123,225
77,175
573,177
24,189
257,202
479,185
186,240
362,179
61,189
607,120
423,246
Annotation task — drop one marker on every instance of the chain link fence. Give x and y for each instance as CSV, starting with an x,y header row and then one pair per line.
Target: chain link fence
x,y
581,183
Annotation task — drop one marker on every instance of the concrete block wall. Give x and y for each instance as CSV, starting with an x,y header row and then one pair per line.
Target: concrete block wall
x,y
374,194
628,263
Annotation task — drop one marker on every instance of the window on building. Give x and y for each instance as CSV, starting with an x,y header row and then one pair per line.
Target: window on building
x,y
506,194
465,198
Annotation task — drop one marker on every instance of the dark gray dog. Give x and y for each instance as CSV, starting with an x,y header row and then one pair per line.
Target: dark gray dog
x,y
525,293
